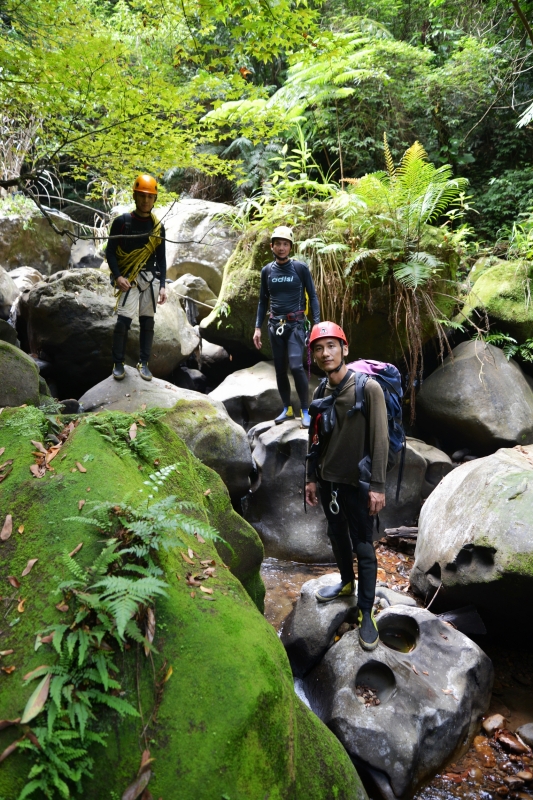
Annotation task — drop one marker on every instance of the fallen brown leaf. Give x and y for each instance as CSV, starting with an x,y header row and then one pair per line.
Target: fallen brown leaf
x,y
207,491
14,581
168,675
37,470
21,528
138,786
33,739
8,670
34,672
7,529
76,549
208,563
6,653
206,590
133,431
191,581
62,607
48,639
201,539
210,571
186,558
190,553
20,607
2,451
80,467
193,594
141,422
81,503
40,447
424,672
145,761
414,669
150,630
52,453
88,488
7,723
10,749
29,566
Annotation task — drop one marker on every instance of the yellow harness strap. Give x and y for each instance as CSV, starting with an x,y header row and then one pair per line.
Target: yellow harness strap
x,y
132,263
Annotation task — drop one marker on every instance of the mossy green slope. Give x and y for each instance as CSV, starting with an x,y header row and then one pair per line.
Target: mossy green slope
x,y
226,723
503,292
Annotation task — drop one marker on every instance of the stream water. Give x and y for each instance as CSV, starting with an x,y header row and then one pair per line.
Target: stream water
x,y
482,772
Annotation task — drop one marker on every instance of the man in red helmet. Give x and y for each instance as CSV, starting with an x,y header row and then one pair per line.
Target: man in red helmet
x,y
136,257
341,439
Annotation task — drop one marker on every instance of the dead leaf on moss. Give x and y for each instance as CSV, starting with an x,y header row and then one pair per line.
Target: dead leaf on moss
x,y
190,553
2,451
88,488
62,607
208,563
168,675
133,431
21,528
193,594
48,639
210,571
201,539
14,581
76,549
10,749
146,760
40,447
141,422
186,558
6,653
138,786
36,702
37,470
207,491
29,566
8,670
81,503
191,581
7,528
80,467
52,453
20,607
206,590
150,630
7,723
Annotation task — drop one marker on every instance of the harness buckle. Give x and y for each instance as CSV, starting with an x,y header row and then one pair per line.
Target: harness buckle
x,y
333,505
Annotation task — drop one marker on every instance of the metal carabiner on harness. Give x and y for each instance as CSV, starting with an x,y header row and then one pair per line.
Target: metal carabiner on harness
x,y
281,327
333,505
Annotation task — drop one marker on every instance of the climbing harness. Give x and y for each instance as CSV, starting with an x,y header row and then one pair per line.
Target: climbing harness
x,y
131,264
280,329
333,505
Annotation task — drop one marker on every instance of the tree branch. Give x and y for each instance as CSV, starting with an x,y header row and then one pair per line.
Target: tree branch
x,y
523,19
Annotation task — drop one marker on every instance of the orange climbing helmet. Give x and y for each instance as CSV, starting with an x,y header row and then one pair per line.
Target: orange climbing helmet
x,y
145,184
323,329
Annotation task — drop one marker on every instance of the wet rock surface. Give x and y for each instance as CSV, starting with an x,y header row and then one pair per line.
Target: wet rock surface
x,y
432,696
275,507
8,293
19,377
475,539
31,241
478,399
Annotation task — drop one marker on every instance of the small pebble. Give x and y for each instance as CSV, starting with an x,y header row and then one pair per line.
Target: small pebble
x,y
493,722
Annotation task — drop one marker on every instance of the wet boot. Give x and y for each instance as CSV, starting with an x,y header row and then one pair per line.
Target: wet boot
x,y
306,419
285,415
120,339
327,593
144,372
146,338
368,630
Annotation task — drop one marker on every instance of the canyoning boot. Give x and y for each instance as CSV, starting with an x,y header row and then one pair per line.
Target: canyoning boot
x,y
306,419
119,373
144,372
285,415
327,593
368,630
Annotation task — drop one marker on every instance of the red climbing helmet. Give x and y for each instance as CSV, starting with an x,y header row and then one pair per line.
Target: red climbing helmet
x,y
324,329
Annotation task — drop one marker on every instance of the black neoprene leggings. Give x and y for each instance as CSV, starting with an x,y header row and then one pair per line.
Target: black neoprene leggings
x,y
351,529
290,346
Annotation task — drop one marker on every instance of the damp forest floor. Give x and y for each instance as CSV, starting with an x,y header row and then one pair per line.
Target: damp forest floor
x,y
482,772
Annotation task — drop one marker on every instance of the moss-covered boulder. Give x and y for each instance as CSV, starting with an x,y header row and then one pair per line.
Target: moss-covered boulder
x,y
217,707
502,291
19,377
369,332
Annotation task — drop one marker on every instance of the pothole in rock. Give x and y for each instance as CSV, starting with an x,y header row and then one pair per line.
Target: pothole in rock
x,y
367,696
379,679
398,632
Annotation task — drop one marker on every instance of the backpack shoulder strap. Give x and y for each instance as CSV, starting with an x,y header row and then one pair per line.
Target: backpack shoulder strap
x,y
321,389
361,379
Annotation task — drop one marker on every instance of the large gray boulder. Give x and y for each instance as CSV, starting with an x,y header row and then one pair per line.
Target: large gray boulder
x,y
8,293
275,507
8,333
31,241
251,395
25,277
198,242
478,399
196,289
19,377
424,467
70,320
431,697
203,424
475,539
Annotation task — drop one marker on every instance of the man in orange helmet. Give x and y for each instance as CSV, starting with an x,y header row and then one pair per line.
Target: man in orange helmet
x,y
340,438
136,257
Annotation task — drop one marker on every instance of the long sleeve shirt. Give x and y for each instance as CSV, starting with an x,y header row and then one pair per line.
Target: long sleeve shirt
x,y
353,437
134,232
281,284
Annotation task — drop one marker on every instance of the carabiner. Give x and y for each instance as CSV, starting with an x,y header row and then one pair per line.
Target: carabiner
x,y
281,327
333,505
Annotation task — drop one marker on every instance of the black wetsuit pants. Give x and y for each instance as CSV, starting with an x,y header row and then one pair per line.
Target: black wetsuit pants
x,y
351,529
290,346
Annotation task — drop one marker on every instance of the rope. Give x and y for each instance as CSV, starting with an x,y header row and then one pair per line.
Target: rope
x,y
132,263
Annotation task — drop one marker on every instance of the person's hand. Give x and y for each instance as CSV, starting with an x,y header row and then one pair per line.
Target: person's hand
x,y
123,284
311,497
257,338
376,501
162,296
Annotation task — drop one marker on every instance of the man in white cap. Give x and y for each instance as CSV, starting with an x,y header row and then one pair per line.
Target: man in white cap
x,y
288,285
